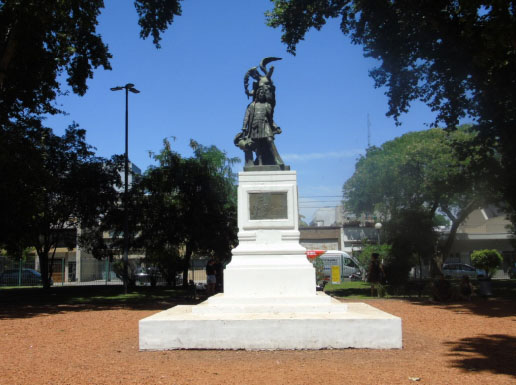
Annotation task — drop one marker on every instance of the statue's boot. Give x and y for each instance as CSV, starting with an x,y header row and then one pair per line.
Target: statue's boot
x,y
248,158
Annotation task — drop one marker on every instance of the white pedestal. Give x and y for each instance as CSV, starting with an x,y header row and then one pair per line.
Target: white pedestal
x,y
270,300
268,261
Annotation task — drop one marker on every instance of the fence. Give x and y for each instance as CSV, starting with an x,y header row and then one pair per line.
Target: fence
x,y
18,273
86,272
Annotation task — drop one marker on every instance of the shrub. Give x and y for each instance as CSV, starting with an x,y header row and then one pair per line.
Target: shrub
x,y
487,260
364,257
397,267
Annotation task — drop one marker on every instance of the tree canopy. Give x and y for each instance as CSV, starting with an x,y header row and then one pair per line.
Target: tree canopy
x,y
183,206
423,173
458,57
195,201
41,40
487,260
48,182
52,184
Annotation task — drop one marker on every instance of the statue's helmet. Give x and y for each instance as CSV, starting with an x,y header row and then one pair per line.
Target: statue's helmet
x,y
264,80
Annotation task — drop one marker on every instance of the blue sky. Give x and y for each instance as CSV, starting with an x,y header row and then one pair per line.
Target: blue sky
x,y
193,88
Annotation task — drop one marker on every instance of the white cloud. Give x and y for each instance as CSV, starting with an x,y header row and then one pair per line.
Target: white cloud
x,y
323,155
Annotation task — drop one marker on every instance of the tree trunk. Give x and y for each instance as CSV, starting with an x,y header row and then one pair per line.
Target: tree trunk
x,y
173,280
456,222
420,268
43,265
445,250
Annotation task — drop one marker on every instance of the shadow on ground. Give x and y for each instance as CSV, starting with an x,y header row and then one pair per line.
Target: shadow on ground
x,y
26,303
493,353
487,307
349,292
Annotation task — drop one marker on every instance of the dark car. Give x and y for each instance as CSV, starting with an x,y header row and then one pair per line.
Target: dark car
x,y
458,270
29,277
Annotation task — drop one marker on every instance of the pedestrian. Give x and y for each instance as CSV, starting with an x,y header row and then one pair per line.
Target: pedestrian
x,y
211,278
442,290
465,288
219,276
375,273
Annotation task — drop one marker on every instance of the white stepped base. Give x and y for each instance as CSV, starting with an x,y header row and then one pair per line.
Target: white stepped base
x,y
314,304
270,325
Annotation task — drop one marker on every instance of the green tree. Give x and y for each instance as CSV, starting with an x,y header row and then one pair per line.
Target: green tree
x,y
179,208
364,256
318,265
413,242
441,220
63,186
487,260
458,57
41,40
200,194
218,191
422,172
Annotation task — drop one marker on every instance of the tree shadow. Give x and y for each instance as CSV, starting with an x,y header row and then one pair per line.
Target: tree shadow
x,y
27,303
492,353
348,292
487,307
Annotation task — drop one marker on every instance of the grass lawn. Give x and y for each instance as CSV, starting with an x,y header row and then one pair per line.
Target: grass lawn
x,y
501,288
352,289
94,295
107,296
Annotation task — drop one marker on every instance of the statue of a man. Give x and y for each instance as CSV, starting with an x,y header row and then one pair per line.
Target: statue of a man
x,y
259,128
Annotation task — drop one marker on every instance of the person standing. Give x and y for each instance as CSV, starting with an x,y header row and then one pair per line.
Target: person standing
x,y
375,273
465,288
211,278
219,276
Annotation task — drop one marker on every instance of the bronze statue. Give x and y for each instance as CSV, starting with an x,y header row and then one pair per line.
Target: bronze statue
x,y
259,128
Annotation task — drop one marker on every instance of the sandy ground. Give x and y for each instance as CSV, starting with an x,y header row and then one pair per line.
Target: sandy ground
x,y
467,343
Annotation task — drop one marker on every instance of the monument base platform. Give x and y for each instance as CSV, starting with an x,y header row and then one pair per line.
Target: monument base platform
x,y
268,324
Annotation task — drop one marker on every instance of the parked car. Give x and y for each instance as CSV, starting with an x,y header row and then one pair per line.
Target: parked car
x,y
458,270
29,277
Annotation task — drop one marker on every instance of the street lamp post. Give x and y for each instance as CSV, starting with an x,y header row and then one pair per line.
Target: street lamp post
x,y
378,227
128,87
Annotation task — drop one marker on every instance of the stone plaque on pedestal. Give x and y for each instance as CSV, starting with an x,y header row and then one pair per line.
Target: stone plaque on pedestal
x,y
269,205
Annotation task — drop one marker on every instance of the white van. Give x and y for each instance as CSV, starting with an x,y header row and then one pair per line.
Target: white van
x,y
348,264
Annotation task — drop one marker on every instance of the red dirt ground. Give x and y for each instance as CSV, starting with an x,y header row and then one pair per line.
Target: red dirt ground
x,y
472,343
